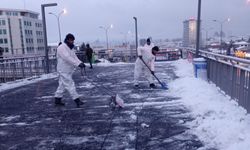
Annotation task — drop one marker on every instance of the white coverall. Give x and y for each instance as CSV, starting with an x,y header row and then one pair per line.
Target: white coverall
x,y
140,68
66,63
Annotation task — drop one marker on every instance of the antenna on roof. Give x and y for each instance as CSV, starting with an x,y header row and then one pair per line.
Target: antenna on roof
x,y
24,4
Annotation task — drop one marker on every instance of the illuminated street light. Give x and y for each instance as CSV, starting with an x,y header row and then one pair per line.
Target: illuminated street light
x,y
206,35
58,21
221,25
136,35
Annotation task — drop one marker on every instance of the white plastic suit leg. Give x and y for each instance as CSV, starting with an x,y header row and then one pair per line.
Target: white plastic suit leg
x,y
66,82
137,72
149,76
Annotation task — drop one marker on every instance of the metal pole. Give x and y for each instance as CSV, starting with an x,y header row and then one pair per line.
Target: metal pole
x,y
136,35
221,34
59,28
107,40
198,29
45,34
206,38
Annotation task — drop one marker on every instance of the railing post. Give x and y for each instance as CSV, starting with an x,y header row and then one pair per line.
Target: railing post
x,y
14,71
22,67
248,91
30,68
4,72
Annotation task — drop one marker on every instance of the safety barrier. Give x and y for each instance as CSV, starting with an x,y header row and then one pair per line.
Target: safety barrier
x,y
230,74
24,67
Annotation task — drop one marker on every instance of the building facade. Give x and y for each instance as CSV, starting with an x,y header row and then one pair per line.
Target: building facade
x,y
189,33
21,33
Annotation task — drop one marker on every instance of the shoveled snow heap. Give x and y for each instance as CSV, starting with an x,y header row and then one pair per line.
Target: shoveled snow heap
x,y
219,121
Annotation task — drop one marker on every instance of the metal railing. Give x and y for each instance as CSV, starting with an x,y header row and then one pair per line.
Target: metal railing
x,y
24,67
230,74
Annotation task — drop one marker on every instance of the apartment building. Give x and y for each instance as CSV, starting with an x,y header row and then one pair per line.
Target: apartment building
x,y
189,33
21,33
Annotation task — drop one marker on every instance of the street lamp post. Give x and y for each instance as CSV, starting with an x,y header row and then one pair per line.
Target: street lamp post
x,y
198,29
58,22
221,27
45,33
106,33
136,35
206,35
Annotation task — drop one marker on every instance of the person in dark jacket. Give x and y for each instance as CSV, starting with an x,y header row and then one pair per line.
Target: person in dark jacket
x,y
89,53
1,54
230,46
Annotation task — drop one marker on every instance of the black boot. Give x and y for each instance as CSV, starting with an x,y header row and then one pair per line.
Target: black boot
x,y
152,85
58,101
78,102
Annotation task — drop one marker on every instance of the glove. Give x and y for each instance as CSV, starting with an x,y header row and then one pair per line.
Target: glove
x,y
140,57
153,73
81,65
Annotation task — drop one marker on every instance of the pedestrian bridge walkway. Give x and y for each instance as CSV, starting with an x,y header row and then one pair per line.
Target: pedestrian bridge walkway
x,y
151,119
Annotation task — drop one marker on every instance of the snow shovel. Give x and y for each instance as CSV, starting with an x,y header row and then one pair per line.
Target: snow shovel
x,y
163,85
115,100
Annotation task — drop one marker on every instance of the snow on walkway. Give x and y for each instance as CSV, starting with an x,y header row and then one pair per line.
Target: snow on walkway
x,y
219,121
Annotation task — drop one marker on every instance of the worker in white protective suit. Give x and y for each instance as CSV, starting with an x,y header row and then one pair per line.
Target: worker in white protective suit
x,y
148,56
66,63
148,45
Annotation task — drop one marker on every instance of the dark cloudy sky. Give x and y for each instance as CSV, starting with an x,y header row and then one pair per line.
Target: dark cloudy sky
x,y
156,18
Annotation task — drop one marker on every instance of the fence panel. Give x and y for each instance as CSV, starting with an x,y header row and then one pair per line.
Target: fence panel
x,y
19,68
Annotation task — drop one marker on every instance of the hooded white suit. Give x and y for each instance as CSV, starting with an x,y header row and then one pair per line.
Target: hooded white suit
x,y
140,68
66,63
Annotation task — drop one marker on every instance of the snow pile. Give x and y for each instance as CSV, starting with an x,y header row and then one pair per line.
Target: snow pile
x,y
104,60
219,122
107,63
22,82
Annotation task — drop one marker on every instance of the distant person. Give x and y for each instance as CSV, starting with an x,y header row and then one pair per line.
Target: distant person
x,y
149,45
141,69
66,63
1,54
89,54
229,48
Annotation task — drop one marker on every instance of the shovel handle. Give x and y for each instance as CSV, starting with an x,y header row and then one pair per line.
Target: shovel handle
x,y
153,74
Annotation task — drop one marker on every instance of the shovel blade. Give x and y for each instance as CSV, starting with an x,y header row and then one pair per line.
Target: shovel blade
x,y
164,85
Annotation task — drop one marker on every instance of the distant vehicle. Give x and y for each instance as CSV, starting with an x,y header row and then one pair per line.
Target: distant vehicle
x,y
168,54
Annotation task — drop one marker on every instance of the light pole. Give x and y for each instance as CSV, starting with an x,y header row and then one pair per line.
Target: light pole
x,y
58,21
221,27
45,33
106,33
198,29
206,35
136,35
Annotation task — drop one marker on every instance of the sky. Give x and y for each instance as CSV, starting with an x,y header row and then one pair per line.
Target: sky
x,y
219,122
159,19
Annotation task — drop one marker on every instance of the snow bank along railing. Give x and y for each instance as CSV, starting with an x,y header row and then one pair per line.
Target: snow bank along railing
x,y
230,74
23,67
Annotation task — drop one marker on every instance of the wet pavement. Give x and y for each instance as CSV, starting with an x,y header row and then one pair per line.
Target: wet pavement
x,y
151,118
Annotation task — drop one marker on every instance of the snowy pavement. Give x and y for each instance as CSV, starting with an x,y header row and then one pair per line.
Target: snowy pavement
x,y
191,115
